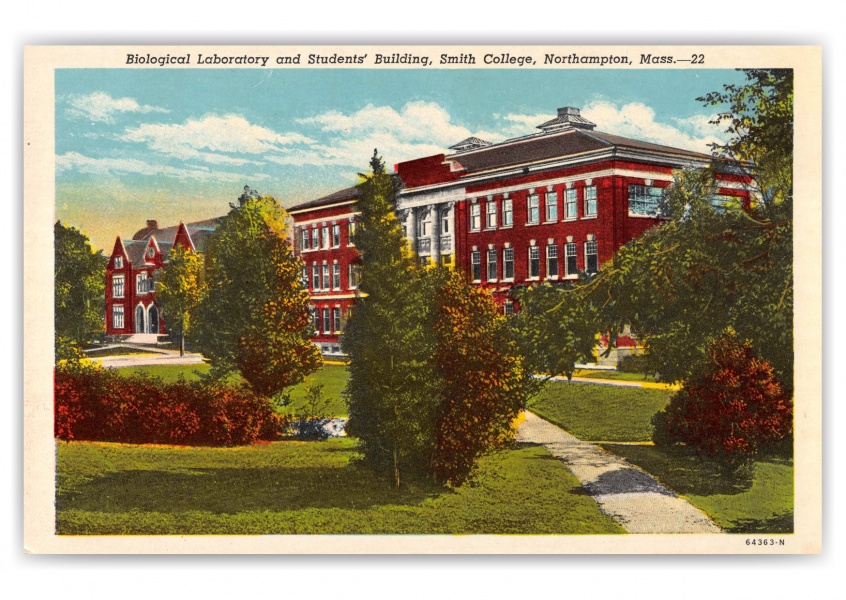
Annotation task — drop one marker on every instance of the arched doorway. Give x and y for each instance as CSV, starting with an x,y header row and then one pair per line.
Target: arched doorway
x,y
154,319
139,320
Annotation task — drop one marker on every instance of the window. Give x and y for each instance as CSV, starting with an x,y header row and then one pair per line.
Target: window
x,y
117,316
507,213
590,201
325,282
476,261
424,228
508,263
552,206
305,239
315,317
570,256
118,262
325,237
351,233
336,318
475,217
304,278
534,262
491,265
645,201
571,210
151,252
444,222
315,276
327,326
117,286
552,261
721,203
354,276
446,259
508,307
143,284
336,236
490,211
315,238
336,276
533,208
591,257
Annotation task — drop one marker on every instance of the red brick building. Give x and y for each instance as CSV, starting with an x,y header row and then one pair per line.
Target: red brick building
x,y
132,270
536,208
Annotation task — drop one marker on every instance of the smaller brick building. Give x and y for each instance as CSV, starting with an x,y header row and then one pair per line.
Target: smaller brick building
x,y
132,271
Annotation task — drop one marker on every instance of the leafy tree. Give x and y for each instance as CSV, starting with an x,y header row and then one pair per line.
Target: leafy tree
x,y
254,316
80,274
732,407
484,382
556,328
180,291
392,391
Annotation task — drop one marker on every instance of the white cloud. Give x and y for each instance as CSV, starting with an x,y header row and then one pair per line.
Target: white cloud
x,y
209,139
517,125
123,166
637,120
101,107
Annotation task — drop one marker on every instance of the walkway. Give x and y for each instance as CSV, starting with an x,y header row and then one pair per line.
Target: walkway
x,y
161,356
627,494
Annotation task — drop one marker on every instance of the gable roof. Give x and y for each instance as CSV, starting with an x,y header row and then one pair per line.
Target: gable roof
x,y
199,231
347,195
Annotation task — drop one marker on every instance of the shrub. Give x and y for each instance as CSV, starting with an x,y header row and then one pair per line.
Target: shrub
x,y
99,405
732,408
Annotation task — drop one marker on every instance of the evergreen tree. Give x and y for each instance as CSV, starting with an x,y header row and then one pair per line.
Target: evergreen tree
x,y
80,274
254,317
392,391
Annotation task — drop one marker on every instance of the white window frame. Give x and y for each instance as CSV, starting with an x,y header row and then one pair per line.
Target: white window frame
x,y
476,266
507,259
305,239
336,319
492,263
532,209
591,249
118,316
326,238
336,235
551,202
508,307
354,275
336,276
315,276
534,257
118,288
571,251
327,323
571,204
475,217
590,201
351,232
324,276
552,258
315,238
507,212
118,262
490,214
637,193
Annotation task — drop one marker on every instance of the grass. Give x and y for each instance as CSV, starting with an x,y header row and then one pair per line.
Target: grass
x,y
333,377
308,487
117,351
759,501
600,412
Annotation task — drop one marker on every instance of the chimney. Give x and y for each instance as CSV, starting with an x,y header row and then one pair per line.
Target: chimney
x,y
152,224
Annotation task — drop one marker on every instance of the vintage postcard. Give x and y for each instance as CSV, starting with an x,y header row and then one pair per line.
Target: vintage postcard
x,y
423,299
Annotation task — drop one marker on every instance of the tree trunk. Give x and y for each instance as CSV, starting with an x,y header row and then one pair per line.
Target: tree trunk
x,y
181,344
397,479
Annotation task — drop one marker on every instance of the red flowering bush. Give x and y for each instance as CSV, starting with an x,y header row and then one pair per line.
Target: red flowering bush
x,y
733,407
99,405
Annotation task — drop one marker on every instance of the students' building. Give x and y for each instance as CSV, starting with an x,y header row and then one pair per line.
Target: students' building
x,y
536,208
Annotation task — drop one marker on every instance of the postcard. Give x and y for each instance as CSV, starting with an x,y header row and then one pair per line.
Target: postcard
x,y
423,299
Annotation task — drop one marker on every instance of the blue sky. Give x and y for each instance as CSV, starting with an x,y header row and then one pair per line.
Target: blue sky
x,y
174,144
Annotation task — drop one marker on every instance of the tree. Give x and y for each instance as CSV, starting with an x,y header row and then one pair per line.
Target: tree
x,y
180,291
80,274
556,328
254,316
484,382
392,390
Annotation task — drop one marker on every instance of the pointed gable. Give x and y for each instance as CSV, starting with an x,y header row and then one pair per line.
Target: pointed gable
x,y
118,251
183,238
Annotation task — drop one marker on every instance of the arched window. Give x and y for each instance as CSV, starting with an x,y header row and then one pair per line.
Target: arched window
x,y
154,319
139,320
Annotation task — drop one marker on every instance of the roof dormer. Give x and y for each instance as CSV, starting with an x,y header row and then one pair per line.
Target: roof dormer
x,y
568,118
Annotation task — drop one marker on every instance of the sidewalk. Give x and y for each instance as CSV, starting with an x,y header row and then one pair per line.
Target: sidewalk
x,y
627,494
161,356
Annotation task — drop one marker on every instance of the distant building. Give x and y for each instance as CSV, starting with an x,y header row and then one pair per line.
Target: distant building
x,y
542,207
134,266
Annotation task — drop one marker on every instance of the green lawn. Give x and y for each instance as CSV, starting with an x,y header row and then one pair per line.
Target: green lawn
x,y
612,375
600,412
308,487
760,503
333,377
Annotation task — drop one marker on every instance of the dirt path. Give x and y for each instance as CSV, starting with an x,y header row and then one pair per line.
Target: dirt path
x,y
624,492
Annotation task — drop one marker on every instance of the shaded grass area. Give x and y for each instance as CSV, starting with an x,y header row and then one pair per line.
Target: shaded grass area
x,y
600,412
612,375
333,377
759,500
308,487
119,351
